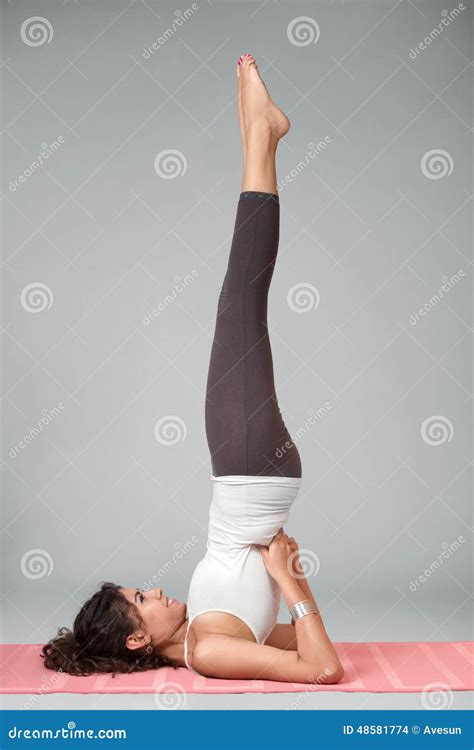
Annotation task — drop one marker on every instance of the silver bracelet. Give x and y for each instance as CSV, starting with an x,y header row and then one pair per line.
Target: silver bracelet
x,y
300,609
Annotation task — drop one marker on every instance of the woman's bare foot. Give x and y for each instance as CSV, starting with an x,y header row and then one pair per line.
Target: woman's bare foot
x,y
239,104
258,114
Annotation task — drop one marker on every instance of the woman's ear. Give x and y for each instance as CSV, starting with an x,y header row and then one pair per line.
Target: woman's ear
x,y
136,640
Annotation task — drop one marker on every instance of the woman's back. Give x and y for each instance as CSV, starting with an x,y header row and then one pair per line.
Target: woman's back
x,y
232,577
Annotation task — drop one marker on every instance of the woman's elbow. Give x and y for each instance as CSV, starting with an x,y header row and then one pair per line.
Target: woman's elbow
x,y
329,674
333,673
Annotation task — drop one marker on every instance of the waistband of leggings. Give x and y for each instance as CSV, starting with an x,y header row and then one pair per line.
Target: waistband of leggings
x,y
260,479
255,195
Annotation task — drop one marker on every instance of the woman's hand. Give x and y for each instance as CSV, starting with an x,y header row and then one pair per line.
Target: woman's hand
x,y
277,556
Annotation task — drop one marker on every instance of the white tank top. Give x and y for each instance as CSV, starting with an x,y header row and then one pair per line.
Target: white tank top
x,y
231,577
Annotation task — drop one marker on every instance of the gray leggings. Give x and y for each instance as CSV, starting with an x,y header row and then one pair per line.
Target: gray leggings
x,y
245,430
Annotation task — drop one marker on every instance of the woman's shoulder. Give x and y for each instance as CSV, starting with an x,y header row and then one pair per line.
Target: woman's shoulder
x,y
209,635
196,642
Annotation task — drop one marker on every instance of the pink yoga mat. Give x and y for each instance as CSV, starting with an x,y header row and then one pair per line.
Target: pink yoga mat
x,y
370,667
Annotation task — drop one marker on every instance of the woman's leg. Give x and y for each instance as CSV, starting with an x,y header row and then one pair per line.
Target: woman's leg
x,y
245,429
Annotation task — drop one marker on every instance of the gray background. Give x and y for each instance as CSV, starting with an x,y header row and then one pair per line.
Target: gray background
x,y
96,492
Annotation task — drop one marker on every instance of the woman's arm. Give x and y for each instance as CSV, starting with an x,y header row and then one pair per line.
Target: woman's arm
x,y
283,636
236,658
313,644
298,571
282,562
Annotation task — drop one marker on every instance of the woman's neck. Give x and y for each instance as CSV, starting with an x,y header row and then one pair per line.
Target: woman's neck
x,y
174,648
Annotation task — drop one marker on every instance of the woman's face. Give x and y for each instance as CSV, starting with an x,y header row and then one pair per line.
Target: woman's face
x,y
161,615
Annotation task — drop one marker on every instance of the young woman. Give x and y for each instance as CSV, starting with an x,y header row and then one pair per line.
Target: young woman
x,y
228,627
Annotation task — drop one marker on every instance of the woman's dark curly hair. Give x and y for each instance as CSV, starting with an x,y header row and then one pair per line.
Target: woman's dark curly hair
x,y
97,641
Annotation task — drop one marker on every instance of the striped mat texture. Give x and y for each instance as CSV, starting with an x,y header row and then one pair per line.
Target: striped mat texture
x,y
369,667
